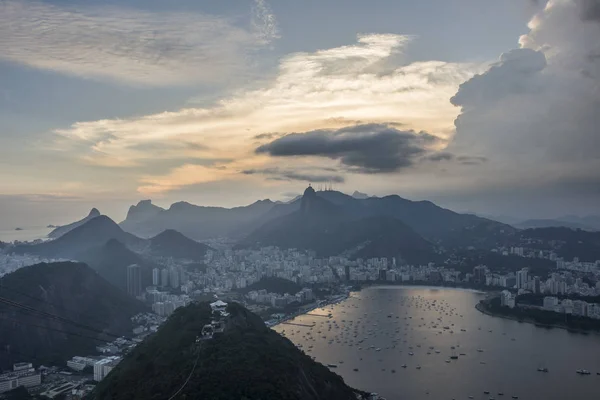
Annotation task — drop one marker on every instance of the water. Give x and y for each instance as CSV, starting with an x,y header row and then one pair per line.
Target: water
x,y
27,234
394,319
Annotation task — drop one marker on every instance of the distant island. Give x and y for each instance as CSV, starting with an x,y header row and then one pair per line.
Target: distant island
x,y
18,229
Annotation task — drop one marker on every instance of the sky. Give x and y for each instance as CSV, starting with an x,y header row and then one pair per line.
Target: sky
x,y
478,105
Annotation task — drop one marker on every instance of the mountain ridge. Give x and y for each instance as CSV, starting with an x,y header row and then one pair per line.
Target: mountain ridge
x,y
61,230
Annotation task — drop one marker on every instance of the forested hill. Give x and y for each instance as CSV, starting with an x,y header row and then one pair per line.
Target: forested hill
x,y
247,361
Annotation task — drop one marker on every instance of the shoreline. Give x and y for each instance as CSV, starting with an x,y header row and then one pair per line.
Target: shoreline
x,y
485,311
343,297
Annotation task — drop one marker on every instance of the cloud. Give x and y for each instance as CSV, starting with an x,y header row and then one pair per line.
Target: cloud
x,y
290,175
129,45
327,89
590,10
440,156
370,148
534,113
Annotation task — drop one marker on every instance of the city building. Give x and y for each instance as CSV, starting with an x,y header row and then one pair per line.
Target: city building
x,y
23,374
522,279
134,280
104,366
155,277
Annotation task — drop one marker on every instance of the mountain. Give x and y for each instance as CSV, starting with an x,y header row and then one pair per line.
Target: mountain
x,y
70,292
94,233
139,214
111,260
246,361
548,223
327,229
193,221
61,230
592,221
359,195
434,223
171,243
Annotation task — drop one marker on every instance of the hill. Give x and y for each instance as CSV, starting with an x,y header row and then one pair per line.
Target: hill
x,y
61,230
171,243
327,229
69,292
549,223
247,361
111,259
193,221
94,233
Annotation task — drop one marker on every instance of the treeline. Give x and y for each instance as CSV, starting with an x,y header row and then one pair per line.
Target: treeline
x,y
543,317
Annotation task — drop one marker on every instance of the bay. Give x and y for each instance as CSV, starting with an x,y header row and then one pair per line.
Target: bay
x,y
403,320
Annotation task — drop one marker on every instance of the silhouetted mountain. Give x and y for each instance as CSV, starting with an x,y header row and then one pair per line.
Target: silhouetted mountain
x,y
138,214
111,261
61,230
548,223
171,243
321,226
246,361
94,233
359,195
592,221
198,222
70,292
434,223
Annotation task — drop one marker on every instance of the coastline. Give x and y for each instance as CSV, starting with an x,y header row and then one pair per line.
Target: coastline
x,y
424,285
339,298
485,311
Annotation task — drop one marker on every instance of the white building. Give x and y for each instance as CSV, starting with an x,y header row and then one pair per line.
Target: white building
x,y
550,303
104,366
23,374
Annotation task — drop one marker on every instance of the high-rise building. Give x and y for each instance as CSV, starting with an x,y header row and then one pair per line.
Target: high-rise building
x,y
522,279
164,277
134,280
536,284
479,274
174,277
155,277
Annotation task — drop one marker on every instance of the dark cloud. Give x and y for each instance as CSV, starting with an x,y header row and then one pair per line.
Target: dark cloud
x,y
441,156
367,148
471,160
589,10
289,175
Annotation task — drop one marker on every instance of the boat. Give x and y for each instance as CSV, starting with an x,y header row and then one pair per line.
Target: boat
x,y
515,397
418,367
355,369
480,350
583,372
403,365
332,365
486,392
544,369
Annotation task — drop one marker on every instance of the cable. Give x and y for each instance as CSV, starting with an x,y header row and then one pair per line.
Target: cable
x,y
57,317
188,378
52,304
52,329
